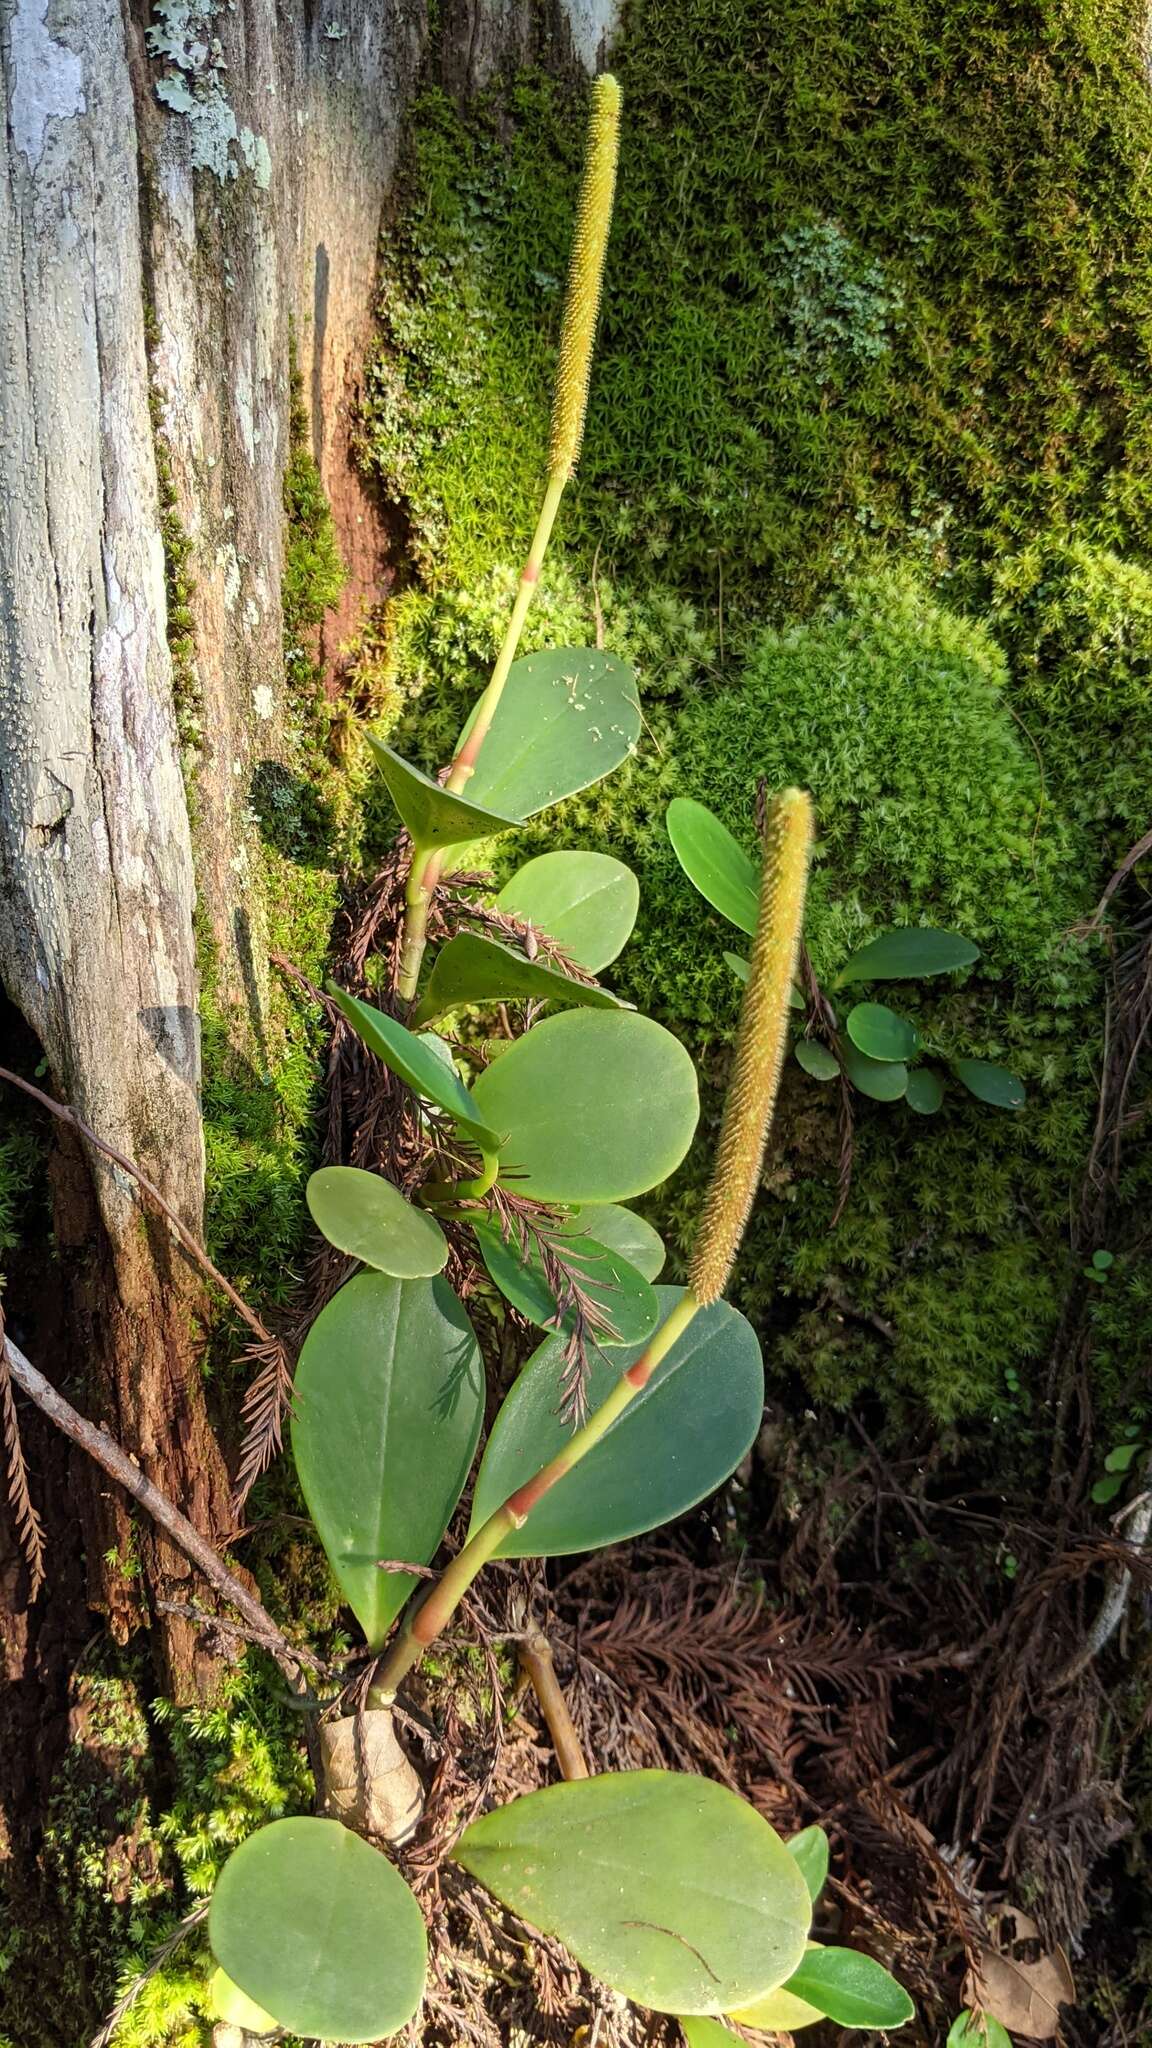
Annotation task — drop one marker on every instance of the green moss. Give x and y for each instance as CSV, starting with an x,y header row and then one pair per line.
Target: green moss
x,y
1077,623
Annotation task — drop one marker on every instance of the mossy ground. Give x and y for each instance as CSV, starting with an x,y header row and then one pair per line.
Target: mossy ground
x,y
877,307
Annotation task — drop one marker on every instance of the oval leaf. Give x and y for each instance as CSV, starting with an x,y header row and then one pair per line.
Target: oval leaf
x,y
433,815
881,1033
740,967
421,1062
566,718
624,1232
668,1888
810,1849
702,2033
883,1080
388,1405
990,1083
472,969
705,1399
228,2003
971,2031
925,1091
778,2012
320,1930
616,1291
852,1989
908,954
364,1215
587,902
714,862
590,1108
816,1059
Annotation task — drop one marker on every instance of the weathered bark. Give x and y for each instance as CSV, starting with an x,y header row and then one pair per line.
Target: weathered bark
x,y
95,855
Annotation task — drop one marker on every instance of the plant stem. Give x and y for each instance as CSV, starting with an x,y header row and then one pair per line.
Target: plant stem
x,y
427,864
426,1621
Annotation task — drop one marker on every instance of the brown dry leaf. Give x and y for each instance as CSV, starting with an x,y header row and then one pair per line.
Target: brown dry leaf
x,y
1024,1996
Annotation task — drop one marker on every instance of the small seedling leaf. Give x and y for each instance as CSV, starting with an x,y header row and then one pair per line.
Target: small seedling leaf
x,y
990,1083
910,953
714,862
881,1033
850,1988
883,1080
977,2030
816,1059
810,1849
925,1091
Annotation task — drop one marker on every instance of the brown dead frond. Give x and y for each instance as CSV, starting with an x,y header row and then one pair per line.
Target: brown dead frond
x,y
29,1528
266,1403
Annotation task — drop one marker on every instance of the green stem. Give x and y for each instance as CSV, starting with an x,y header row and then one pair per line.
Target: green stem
x,y
427,863
426,1621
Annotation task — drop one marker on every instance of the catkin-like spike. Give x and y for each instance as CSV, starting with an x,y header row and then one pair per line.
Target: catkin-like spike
x,y
585,277
759,1049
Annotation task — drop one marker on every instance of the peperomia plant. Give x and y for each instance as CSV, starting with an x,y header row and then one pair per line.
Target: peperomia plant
x,y
876,1050
638,1403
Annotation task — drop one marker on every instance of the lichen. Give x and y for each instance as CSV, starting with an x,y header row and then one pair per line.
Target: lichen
x,y
183,35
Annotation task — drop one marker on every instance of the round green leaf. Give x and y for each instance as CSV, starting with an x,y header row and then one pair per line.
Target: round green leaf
x,y
566,718
364,1215
925,1091
816,1059
320,1930
676,1441
587,902
388,1405
434,815
421,1062
714,862
235,2008
881,1033
990,1083
908,954
668,1888
590,1107
624,1232
883,1080
472,969
612,1285
968,2031
810,1849
852,1989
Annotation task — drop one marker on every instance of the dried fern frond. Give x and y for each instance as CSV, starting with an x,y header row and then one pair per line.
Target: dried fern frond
x,y
268,1400
29,1528
585,277
759,1050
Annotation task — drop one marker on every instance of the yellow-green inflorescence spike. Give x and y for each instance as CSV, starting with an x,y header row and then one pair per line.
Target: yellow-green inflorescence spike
x,y
759,1049
585,277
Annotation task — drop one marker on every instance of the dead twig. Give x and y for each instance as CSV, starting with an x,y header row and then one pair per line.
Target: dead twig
x,y
124,2005
265,1400
29,1528
119,1466
535,1653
